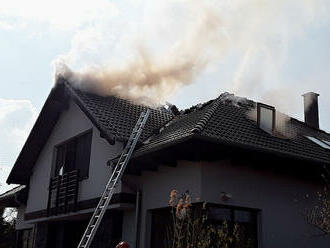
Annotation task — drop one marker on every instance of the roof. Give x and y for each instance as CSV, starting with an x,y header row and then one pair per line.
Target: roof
x,y
227,122
223,120
9,198
114,118
117,117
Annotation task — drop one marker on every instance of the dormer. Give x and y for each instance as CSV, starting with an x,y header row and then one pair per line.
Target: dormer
x,y
266,117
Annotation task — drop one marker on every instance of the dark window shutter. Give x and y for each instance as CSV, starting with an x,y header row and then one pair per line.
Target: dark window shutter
x,y
83,152
70,157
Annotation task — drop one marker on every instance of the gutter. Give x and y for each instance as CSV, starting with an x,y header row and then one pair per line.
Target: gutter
x,y
270,151
137,218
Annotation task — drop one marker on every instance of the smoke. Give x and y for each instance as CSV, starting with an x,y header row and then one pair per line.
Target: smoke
x,y
150,79
192,36
283,126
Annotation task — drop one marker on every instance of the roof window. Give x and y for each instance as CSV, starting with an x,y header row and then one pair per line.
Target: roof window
x,y
326,141
266,117
323,143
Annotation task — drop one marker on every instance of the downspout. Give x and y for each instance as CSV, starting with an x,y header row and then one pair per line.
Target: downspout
x,y
137,218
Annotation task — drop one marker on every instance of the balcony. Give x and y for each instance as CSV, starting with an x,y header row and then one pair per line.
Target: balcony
x,y
63,193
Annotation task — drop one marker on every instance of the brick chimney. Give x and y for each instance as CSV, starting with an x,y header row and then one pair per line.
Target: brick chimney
x,y
311,109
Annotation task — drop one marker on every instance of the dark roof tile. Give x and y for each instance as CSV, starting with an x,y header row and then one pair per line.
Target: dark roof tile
x,y
118,116
225,122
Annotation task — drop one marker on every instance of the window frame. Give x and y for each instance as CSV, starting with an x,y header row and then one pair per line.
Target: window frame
x,y
57,146
271,108
320,142
256,212
20,237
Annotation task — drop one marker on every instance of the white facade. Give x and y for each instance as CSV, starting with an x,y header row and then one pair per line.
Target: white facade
x,y
71,123
280,199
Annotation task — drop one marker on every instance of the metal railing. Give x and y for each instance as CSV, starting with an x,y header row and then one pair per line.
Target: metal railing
x,y
63,193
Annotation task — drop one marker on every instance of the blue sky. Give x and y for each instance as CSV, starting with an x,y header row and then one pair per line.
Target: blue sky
x,y
273,51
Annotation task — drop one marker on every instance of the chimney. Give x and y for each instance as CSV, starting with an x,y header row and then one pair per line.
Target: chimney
x,y
311,109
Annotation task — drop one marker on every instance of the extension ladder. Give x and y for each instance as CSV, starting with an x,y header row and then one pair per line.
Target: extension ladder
x,y
117,173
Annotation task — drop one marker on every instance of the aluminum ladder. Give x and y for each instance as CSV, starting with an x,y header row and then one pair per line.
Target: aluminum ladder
x,y
117,173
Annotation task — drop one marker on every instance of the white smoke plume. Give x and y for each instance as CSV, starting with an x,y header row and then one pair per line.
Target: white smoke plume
x,y
192,37
149,79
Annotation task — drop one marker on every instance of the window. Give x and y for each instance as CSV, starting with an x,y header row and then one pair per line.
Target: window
x,y
322,143
246,219
25,238
266,117
74,155
327,142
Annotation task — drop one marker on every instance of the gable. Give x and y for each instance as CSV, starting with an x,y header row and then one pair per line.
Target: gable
x,y
71,123
113,117
54,105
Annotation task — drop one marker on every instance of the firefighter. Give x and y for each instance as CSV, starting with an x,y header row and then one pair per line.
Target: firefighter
x,y
123,244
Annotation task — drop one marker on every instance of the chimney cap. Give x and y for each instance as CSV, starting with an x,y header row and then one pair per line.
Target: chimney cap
x,y
310,94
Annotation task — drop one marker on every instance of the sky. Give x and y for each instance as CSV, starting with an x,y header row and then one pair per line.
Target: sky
x,y
266,50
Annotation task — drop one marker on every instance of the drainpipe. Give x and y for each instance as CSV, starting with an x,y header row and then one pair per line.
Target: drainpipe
x,y
137,218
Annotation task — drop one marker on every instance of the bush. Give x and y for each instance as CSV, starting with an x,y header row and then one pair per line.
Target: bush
x,y
190,227
7,229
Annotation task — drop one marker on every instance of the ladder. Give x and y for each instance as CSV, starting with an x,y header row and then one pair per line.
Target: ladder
x,y
117,173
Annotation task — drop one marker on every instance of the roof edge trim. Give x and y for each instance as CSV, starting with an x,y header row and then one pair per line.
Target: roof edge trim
x,y
200,125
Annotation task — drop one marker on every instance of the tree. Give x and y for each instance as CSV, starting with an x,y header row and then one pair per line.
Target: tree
x,y
190,227
7,227
319,215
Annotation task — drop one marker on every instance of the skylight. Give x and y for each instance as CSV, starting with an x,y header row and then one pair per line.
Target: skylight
x,y
323,143
326,141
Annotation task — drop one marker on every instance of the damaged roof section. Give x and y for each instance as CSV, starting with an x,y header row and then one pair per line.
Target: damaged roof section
x,y
114,118
227,121
117,117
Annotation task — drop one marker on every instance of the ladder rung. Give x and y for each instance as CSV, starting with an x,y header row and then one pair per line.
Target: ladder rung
x,y
111,185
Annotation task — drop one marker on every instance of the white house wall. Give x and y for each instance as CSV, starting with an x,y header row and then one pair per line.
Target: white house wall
x,y
71,123
156,187
280,198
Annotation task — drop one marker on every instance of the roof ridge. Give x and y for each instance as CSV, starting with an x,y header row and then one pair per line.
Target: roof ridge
x,y
200,125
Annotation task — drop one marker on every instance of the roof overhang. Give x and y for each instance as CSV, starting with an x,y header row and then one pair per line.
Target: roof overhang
x,y
201,148
13,197
56,103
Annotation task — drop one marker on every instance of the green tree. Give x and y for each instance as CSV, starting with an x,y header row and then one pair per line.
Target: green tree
x,y
7,227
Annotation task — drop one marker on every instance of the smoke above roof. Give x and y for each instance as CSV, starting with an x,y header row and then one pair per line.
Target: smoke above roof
x,y
184,39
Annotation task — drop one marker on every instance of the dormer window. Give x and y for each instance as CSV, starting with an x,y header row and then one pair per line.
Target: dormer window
x,y
266,117
74,154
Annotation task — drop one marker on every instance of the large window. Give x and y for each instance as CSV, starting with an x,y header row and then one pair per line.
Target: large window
x,y
244,218
74,155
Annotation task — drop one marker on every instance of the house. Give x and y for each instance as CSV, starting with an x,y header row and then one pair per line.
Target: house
x,y
249,170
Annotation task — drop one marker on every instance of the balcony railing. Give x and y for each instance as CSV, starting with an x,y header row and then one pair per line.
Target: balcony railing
x,y
63,193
